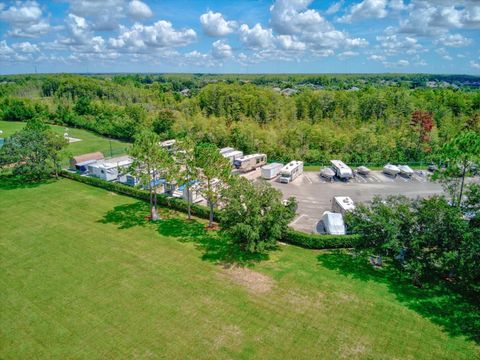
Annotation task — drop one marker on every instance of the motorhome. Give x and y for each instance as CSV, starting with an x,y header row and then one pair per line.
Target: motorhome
x,y
405,170
233,155
250,162
226,150
169,144
391,170
333,223
271,171
342,204
291,171
342,171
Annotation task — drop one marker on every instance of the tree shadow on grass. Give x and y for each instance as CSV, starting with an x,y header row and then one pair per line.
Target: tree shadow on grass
x,y
10,182
214,245
455,313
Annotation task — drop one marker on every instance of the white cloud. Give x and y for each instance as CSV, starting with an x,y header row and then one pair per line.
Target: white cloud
x,y
221,50
25,19
335,7
347,54
395,44
256,37
214,24
288,42
139,10
397,64
376,57
26,47
474,64
453,40
397,5
364,10
104,15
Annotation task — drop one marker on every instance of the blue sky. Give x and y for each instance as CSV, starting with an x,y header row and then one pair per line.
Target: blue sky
x,y
296,36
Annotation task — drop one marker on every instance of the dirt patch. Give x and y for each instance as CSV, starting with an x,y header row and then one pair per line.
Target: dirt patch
x,y
253,281
355,350
230,337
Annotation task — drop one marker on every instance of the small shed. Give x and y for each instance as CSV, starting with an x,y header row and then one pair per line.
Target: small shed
x,y
95,156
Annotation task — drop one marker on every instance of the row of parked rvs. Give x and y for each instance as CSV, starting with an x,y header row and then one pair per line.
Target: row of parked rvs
x,y
286,173
343,172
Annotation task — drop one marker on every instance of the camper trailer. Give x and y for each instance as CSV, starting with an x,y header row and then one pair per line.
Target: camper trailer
x,y
233,155
342,204
291,171
327,173
342,171
391,170
129,179
110,169
405,170
226,150
250,162
169,144
193,193
271,171
333,223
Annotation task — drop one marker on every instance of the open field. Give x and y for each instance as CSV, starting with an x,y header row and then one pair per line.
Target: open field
x,y
84,276
90,142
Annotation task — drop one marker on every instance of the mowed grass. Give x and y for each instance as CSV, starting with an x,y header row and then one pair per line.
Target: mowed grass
x,y
84,276
90,142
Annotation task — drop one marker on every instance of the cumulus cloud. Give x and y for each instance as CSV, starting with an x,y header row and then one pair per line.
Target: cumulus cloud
x,y
395,44
364,10
377,57
214,24
335,7
453,40
221,50
475,64
139,10
104,15
256,37
25,19
26,47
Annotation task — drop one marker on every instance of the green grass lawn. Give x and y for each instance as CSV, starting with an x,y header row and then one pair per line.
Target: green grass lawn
x,y
84,276
91,142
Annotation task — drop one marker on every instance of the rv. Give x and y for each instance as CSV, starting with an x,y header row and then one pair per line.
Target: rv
x,y
233,155
405,170
250,162
327,173
342,204
391,170
271,171
291,171
333,223
193,192
342,171
168,145
226,150
110,169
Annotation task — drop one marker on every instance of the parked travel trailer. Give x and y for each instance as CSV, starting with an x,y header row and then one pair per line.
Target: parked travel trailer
x,y
327,173
226,150
405,170
391,170
363,170
342,171
82,167
342,204
333,223
291,171
233,155
194,192
129,179
82,159
110,169
271,171
250,162
169,144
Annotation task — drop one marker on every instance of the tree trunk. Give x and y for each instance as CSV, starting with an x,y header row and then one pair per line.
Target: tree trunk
x,y
210,221
189,211
461,186
154,214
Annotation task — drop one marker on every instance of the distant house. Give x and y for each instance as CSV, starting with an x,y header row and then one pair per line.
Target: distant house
x,y
288,91
85,159
185,92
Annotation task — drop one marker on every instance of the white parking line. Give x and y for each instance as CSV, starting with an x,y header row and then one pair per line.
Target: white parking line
x,y
298,218
308,178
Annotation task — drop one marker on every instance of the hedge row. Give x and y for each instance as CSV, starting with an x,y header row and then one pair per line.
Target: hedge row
x,y
313,241
309,241
162,200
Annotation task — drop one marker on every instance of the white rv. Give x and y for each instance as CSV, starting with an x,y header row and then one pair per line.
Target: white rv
x,y
250,162
342,204
168,144
405,170
391,170
193,193
233,155
342,171
110,169
333,223
291,171
271,171
226,150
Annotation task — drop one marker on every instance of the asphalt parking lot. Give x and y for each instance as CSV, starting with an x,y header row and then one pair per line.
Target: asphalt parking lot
x,y
314,194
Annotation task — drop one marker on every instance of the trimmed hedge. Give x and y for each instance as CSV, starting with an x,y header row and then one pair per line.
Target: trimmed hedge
x,y
308,241
313,241
162,200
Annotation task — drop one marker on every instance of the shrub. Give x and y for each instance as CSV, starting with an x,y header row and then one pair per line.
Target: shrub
x,y
313,241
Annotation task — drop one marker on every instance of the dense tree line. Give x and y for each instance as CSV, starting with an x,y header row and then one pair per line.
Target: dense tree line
x,y
385,119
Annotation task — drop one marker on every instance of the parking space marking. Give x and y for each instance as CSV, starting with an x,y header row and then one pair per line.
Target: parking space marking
x,y
298,218
308,178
